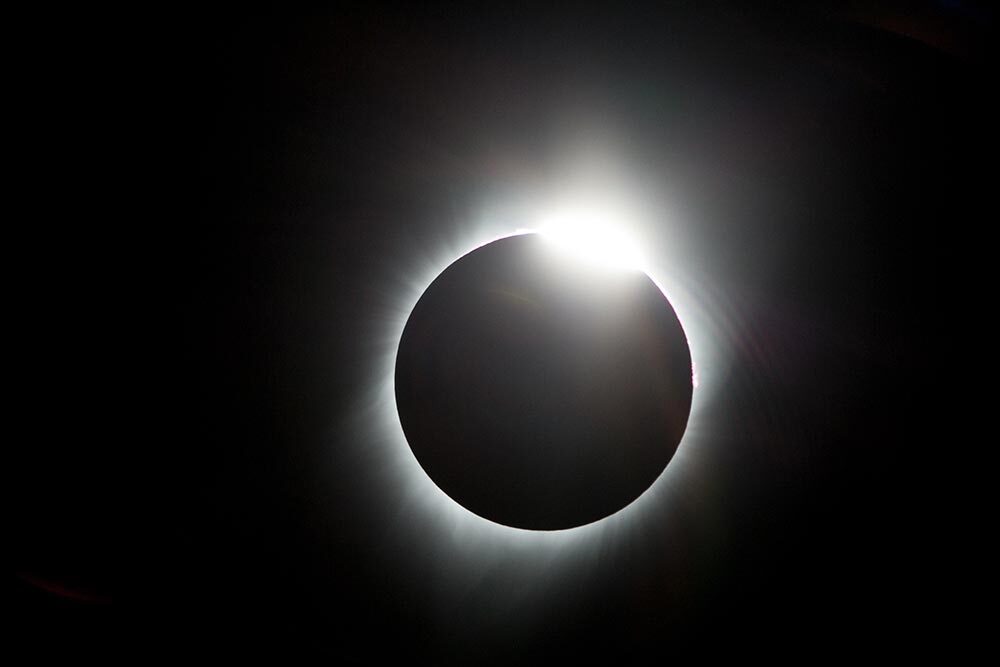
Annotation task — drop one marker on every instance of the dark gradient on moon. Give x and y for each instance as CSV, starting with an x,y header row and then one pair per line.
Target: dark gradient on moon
x,y
542,392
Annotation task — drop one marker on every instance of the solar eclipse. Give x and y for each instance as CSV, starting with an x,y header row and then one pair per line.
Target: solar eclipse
x,y
540,388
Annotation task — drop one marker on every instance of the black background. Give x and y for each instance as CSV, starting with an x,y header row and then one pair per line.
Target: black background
x,y
222,203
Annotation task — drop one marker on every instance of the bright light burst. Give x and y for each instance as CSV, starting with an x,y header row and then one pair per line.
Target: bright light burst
x,y
591,236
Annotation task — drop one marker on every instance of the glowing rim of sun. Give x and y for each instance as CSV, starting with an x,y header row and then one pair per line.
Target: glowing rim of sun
x,y
588,240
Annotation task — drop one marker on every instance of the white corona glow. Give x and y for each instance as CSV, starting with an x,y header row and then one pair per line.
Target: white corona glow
x,y
412,501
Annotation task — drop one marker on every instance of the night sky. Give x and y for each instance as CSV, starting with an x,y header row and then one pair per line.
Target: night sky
x,y
233,253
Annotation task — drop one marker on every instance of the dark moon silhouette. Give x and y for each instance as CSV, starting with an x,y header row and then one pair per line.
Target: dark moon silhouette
x,y
541,392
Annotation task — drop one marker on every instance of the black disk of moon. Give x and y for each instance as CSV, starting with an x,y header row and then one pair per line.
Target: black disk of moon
x,y
541,392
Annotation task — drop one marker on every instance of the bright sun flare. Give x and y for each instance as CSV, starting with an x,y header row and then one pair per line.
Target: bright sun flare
x,y
590,238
